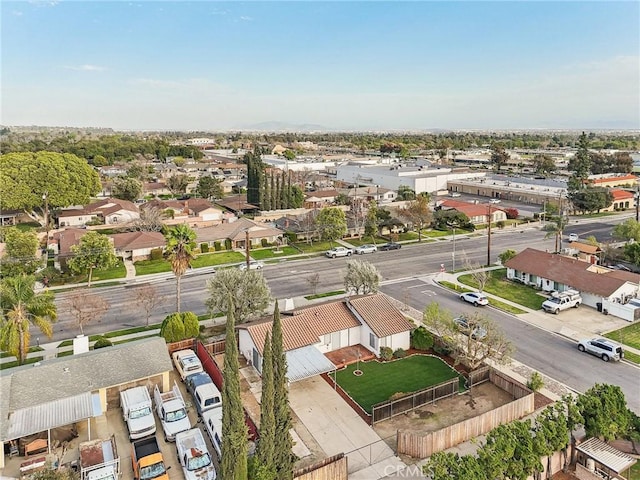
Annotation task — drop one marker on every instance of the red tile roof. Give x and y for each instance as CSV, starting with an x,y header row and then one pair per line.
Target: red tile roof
x,y
620,194
566,270
614,179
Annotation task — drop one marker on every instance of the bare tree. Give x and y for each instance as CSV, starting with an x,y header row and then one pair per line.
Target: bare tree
x,y
148,298
481,340
478,273
361,277
151,220
313,281
86,307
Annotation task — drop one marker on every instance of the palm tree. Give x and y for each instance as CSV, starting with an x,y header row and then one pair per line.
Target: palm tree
x,y
556,227
21,307
180,246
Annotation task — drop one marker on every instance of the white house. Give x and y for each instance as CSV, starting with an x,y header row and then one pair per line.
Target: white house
x,y
596,284
109,210
308,333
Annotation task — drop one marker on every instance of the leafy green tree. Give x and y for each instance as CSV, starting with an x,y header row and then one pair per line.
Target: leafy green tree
x,y
406,193
551,427
544,164
172,328
443,218
21,308
265,451
499,157
627,230
51,473
371,221
418,213
234,429
591,199
191,324
574,418
20,252
209,188
604,410
64,178
632,252
283,456
248,289
579,166
179,251
93,251
126,188
289,154
178,183
421,339
361,278
506,256
342,199
296,197
331,223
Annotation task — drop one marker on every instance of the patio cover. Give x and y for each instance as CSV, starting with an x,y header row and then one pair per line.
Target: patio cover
x,y
306,362
46,416
606,455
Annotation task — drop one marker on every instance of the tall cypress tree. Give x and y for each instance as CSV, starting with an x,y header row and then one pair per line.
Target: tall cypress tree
x,y
284,195
273,192
266,194
234,430
289,192
277,206
284,458
265,451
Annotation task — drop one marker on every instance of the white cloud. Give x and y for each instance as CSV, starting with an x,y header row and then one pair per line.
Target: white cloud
x,y
17,13
244,18
86,68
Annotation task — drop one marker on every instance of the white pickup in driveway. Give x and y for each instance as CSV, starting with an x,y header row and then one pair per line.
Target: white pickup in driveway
x,y
338,429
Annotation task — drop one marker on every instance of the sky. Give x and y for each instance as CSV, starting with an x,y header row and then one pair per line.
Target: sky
x,y
341,65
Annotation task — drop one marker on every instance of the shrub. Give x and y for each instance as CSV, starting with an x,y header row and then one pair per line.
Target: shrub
x,y
292,236
421,339
500,224
441,348
399,353
264,242
172,329
204,247
386,353
217,246
156,254
102,342
227,244
191,325
535,382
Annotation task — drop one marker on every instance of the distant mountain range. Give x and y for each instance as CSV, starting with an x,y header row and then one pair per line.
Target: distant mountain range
x,y
284,127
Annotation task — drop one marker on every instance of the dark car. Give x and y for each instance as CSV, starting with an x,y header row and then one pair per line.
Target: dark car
x,y
390,246
197,379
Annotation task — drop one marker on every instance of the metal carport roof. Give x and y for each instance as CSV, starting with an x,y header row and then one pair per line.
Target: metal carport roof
x,y
40,418
306,362
606,455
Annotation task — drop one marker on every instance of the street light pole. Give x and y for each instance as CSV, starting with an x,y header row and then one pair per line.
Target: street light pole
x,y
489,239
453,254
247,248
637,198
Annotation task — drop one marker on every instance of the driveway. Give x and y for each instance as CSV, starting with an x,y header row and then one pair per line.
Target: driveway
x,y
338,429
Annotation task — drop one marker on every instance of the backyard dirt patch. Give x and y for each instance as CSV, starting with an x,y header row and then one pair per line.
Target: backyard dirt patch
x,y
450,411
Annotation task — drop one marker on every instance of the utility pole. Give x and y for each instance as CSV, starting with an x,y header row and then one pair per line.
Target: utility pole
x,y
247,248
489,239
637,198
45,197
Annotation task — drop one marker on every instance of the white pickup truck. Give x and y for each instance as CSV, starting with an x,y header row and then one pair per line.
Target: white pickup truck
x,y
172,412
339,252
194,456
562,301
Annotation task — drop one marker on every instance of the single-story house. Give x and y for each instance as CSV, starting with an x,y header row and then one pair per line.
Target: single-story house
x,y
62,241
62,391
155,188
310,332
622,199
237,203
109,210
584,251
370,193
321,198
597,460
477,213
552,272
137,245
236,232
13,217
625,179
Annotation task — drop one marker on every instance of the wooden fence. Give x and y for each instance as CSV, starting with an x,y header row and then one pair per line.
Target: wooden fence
x,y
391,408
424,445
181,345
332,468
479,376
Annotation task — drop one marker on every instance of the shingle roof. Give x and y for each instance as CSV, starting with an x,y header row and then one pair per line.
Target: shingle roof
x,y
237,231
566,270
380,315
138,240
585,247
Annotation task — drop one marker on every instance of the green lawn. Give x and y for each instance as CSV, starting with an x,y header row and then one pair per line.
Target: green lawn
x,y
109,274
380,381
314,247
492,301
325,294
146,267
356,242
514,292
629,335
269,253
635,472
219,258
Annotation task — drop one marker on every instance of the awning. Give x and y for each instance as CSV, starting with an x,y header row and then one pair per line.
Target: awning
x,y
58,413
306,362
606,455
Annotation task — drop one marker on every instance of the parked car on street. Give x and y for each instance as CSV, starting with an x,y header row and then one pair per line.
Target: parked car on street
x,y
475,298
253,265
603,348
494,200
339,252
366,248
462,323
390,246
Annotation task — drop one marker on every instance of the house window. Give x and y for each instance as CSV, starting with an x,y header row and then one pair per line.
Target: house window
x,y
372,341
327,339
